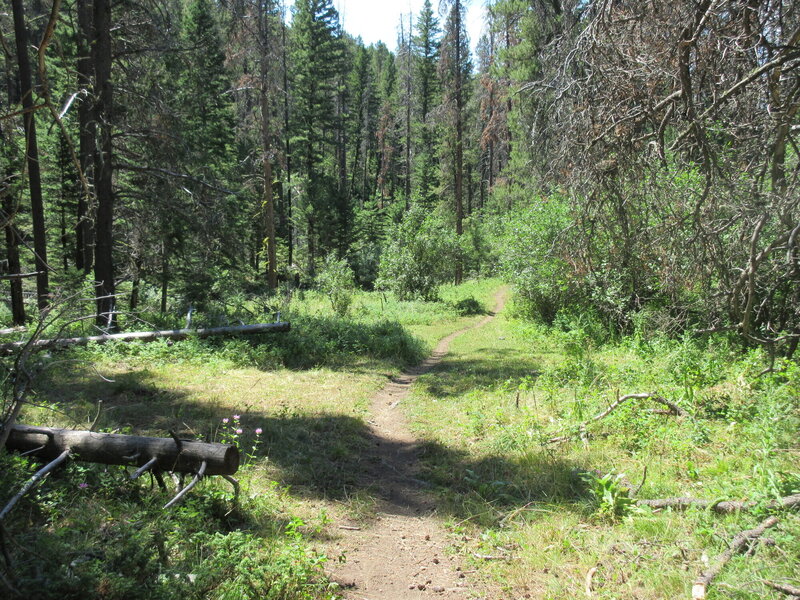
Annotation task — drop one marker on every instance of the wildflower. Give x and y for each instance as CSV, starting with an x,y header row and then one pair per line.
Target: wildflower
x,y
259,431
225,420
238,432
83,486
236,417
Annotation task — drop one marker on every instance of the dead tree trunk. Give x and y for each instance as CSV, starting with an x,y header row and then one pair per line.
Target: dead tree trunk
x,y
32,156
147,336
159,454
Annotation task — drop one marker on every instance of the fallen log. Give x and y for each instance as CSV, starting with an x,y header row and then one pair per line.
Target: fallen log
x,y
738,543
148,336
721,507
159,454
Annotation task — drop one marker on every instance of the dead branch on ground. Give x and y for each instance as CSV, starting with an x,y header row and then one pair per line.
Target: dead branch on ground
x,y
673,409
723,507
740,542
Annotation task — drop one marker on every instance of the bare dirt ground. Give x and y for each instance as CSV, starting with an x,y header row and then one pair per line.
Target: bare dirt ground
x,y
403,552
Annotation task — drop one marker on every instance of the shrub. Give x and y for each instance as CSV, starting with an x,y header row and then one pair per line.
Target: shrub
x,y
420,256
335,280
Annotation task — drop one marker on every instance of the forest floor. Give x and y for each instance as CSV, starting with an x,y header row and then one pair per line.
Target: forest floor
x,y
363,478
402,552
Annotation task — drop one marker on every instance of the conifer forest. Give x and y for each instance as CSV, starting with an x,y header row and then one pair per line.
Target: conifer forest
x,y
565,255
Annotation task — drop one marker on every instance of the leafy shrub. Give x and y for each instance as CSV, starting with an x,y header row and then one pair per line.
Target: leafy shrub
x,y
468,306
531,256
335,280
420,256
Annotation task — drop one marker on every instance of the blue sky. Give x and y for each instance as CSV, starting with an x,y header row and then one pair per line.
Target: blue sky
x,y
376,20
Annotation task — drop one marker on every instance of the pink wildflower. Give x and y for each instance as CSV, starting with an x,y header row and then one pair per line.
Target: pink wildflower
x,y
238,432
259,431
225,420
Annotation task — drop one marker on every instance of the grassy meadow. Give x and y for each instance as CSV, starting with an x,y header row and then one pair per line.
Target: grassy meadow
x,y
531,518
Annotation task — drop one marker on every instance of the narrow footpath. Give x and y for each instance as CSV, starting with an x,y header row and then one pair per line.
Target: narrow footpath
x,y
402,553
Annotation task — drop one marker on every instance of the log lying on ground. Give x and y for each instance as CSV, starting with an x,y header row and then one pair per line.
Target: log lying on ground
x,y
149,336
743,539
170,454
723,507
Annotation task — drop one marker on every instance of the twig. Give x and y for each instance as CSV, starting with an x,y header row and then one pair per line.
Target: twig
x,y
97,416
490,557
641,484
144,468
674,410
37,477
200,472
739,542
589,574
349,528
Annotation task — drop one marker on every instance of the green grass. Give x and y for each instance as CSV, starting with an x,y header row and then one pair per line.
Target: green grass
x,y
307,392
509,386
482,416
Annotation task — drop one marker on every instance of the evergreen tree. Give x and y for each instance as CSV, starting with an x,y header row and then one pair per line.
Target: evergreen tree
x,y
426,45
206,106
316,48
455,68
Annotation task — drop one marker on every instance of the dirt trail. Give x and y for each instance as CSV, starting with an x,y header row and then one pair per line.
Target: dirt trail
x,y
401,554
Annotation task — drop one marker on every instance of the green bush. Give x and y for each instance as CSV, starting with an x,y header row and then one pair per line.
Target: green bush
x,y
336,281
531,256
420,256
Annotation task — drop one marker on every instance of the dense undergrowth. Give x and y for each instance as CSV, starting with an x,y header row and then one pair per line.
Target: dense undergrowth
x,y
294,404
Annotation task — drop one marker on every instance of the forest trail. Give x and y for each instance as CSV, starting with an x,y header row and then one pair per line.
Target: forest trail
x,y
401,553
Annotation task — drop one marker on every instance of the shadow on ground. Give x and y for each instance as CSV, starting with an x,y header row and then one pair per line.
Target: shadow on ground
x,y
333,456
456,376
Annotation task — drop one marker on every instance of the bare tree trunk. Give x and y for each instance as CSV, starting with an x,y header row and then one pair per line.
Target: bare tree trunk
x,y
32,156
103,262
164,274
459,182
12,255
266,142
86,124
182,456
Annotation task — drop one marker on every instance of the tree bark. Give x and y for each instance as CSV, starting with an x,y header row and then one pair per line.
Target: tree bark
x,y
266,142
14,267
103,260
86,140
459,182
32,156
181,456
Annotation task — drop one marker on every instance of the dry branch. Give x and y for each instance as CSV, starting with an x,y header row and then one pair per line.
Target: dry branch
x,y
13,276
127,450
148,336
724,507
200,472
37,477
674,409
742,540
789,590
